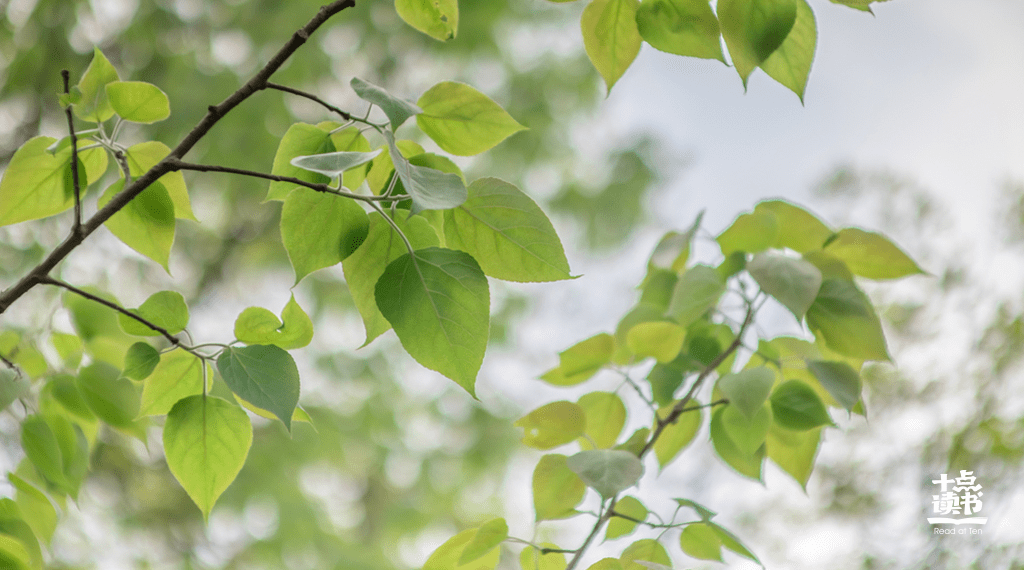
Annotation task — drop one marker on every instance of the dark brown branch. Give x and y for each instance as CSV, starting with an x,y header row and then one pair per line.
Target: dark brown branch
x,y
214,113
156,328
76,229
10,365
344,114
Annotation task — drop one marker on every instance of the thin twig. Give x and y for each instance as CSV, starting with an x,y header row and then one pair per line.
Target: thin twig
x,y
605,517
76,228
344,114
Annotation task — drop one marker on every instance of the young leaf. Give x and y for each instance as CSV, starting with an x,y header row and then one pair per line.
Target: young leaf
x,y
113,398
206,441
138,101
605,416
748,465
438,302
619,526
552,425
299,140
682,27
487,537
696,292
531,559
94,105
146,155
507,233
658,339
556,489
871,255
747,432
462,120
257,325
429,189
165,309
607,471
333,164
646,550
367,263
790,64
750,233
263,375
610,36
754,29
397,110
797,228
320,229
37,184
438,19
701,541
146,224
792,281
178,376
796,406
677,436
840,379
794,451
140,361
843,316
673,250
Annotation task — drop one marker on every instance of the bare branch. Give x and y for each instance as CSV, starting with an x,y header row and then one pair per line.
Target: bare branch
x,y
76,228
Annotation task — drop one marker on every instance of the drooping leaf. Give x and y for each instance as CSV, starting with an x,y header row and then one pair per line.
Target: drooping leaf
x,y
747,389
744,463
840,379
796,406
790,64
165,309
703,512
438,19
843,316
792,281
41,448
607,471
605,417
178,376
798,229
658,339
320,230
429,189
333,164
113,398
750,233
37,510
138,101
146,224
257,325
552,425
206,441
610,36
264,375
367,263
794,451
140,361
462,120
146,155
62,389
299,140
438,302
871,255
93,105
37,184
748,433
487,537
531,559
646,550
754,29
697,291
619,526
398,110
701,541
675,437
682,27
556,489
507,233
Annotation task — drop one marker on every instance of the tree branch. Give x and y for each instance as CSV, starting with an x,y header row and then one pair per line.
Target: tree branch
x,y
214,113
76,228
344,114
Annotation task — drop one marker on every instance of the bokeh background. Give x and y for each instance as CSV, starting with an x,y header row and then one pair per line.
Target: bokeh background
x,y
912,125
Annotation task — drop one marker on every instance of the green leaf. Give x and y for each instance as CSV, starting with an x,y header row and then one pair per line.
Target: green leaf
x,y
796,406
794,451
69,348
113,398
138,101
146,155
840,379
701,541
146,224
349,139
646,550
438,302
682,27
703,512
333,164
299,140
582,360
178,376
636,442
62,389
42,449
37,184
12,524
438,19
747,389
166,309
790,64
507,233
140,361
751,233
206,441
871,255
320,229
748,465
747,432
697,292
367,263
462,120
12,386
610,36
673,250
658,339
618,526
607,471
732,543
382,168
552,425
94,105
397,110
665,379
556,489
754,29
14,555
299,415
447,556
605,417
792,281
429,189
257,325
531,559
844,317
606,564
862,5
675,437
797,228
74,452
263,375
37,510
487,537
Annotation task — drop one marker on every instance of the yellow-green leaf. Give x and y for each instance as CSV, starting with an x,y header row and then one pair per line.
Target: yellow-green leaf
x,y
438,19
871,255
257,325
610,36
790,64
552,425
146,224
462,120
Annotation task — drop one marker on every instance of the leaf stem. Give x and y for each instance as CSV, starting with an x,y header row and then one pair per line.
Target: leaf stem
x,y
395,227
76,228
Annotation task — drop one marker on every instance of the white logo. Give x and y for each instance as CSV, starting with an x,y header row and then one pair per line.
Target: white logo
x,y
960,496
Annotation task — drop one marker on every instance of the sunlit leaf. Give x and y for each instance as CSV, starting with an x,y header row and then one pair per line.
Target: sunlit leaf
x,y
794,451
790,64
299,140
747,389
319,229
871,255
754,29
556,489
678,435
140,361
605,416
610,36
552,425
744,463
747,433
264,375
179,375
257,325
797,228
619,526
682,27
701,541
37,510
165,309
750,233
796,406
113,398
843,316
138,101
438,19
531,559
146,155
792,281
697,291
646,550
462,120
93,105
607,471
659,339
487,537
37,184
146,224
